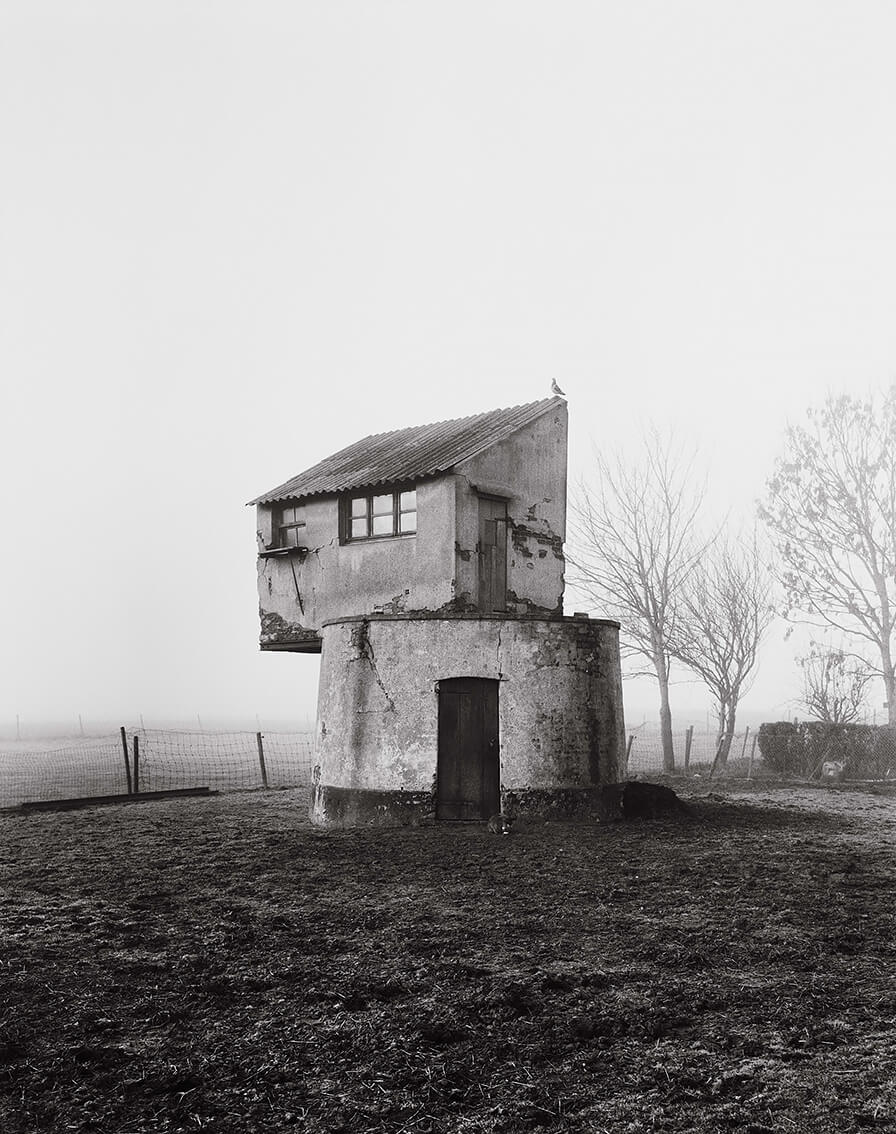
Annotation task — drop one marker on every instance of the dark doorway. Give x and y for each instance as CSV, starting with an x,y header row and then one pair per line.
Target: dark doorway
x,y
468,772
492,554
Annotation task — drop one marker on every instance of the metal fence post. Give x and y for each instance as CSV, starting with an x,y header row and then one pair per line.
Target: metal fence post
x,y
136,764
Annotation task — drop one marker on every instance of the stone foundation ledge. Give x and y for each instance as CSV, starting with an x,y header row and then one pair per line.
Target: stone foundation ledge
x,y
362,807
559,803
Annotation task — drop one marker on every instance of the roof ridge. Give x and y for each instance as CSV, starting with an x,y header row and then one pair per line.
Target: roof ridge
x,y
451,420
411,452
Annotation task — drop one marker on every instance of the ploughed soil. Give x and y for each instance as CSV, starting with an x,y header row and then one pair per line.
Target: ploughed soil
x,y
217,964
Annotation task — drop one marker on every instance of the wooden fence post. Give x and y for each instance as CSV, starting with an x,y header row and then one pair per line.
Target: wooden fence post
x,y
127,761
717,757
744,749
752,754
264,771
136,764
628,747
688,739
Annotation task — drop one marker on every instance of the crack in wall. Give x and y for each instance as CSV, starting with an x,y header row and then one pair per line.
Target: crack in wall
x,y
361,642
295,579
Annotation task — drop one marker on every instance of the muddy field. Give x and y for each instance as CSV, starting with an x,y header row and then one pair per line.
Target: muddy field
x,y
216,964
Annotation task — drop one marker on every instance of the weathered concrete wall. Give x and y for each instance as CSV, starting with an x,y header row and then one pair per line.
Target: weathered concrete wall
x,y
300,591
436,569
562,732
528,470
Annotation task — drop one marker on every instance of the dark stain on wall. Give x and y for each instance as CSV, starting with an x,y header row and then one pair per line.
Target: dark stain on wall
x,y
522,536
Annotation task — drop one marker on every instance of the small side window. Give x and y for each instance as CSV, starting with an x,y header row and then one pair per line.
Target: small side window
x,y
289,519
407,511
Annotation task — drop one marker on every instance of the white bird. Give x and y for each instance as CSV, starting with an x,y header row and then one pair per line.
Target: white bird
x,y
556,389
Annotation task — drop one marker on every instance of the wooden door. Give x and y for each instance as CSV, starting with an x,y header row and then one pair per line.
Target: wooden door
x,y
468,784
492,554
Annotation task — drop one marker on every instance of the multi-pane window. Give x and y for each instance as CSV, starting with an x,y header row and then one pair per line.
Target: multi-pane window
x,y
289,519
374,514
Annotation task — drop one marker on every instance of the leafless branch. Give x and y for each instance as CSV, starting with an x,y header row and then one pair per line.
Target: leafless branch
x,y
633,543
831,512
725,608
834,684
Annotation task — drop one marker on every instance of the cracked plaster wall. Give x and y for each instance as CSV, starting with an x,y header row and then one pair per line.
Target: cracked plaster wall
x,y
560,700
298,592
528,469
438,568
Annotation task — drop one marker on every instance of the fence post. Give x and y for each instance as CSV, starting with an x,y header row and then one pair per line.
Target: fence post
x,y
127,761
628,747
752,753
717,757
264,771
744,749
136,764
688,738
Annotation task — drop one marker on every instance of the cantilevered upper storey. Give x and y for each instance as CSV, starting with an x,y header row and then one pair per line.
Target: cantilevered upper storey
x,y
463,516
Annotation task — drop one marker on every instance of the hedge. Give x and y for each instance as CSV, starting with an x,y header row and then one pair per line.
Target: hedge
x,y
799,748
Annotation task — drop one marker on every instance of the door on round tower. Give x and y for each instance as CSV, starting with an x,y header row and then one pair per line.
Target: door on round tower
x,y
468,778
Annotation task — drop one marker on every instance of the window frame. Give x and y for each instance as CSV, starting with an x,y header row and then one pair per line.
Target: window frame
x,y
369,494
278,527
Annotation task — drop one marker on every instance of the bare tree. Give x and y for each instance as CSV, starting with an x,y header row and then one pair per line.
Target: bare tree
x,y
725,608
831,511
633,547
834,684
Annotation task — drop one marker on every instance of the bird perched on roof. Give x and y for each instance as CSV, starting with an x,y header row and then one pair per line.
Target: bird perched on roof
x,y
555,389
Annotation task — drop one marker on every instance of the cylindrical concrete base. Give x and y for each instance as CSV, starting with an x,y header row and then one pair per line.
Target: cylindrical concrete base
x,y
561,732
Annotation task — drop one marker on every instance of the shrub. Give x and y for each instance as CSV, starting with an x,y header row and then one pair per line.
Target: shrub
x,y
799,748
884,753
781,747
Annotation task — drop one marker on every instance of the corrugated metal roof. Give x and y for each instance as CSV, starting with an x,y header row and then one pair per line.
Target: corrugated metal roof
x,y
408,454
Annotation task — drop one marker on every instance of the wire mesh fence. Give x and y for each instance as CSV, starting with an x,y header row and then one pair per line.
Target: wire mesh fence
x,y
169,759
166,760
780,750
694,751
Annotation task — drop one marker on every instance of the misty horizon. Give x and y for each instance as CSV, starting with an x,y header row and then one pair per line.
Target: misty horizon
x,y
237,241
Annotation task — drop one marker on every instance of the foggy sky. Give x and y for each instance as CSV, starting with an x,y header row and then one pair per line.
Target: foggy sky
x,y
236,237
